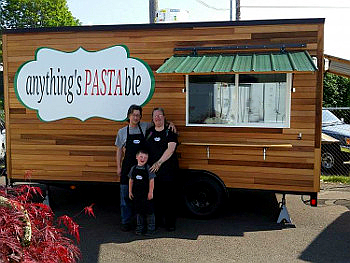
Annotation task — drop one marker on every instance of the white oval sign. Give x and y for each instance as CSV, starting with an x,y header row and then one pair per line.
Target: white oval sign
x,y
84,84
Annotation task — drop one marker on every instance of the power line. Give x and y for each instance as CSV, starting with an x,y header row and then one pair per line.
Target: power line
x,y
279,6
270,6
211,7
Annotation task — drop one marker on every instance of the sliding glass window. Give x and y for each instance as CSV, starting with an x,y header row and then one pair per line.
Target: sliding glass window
x,y
245,100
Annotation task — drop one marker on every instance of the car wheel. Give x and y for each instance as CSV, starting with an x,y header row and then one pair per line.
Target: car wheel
x,y
332,161
328,161
203,196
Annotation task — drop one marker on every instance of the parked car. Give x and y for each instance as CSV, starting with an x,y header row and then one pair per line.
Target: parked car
x,y
335,153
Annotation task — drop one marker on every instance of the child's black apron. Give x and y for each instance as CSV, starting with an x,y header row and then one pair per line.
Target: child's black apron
x,y
134,142
140,191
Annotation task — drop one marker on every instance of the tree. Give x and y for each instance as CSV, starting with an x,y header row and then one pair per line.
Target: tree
x,y
35,13
31,233
336,91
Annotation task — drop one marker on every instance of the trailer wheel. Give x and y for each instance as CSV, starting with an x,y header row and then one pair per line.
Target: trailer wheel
x,y
203,196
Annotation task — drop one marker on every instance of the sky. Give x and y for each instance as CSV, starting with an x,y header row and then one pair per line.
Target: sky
x,y
336,13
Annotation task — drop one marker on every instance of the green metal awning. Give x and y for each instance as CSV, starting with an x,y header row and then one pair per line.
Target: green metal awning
x,y
299,61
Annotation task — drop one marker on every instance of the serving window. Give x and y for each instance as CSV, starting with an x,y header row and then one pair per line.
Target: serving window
x,y
240,100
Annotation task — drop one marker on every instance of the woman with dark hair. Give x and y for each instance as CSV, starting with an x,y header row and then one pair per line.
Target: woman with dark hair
x,y
161,143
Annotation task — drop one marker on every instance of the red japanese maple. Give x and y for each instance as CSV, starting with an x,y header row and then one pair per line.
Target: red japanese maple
x,y
29,232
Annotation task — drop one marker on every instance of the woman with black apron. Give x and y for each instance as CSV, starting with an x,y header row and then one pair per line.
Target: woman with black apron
x,y
161,143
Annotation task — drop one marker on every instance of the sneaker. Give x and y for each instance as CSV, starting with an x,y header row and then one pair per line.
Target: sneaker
x,y
138,232
150,233
125,227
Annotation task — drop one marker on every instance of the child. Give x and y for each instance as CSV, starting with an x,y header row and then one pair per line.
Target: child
x,y
141,185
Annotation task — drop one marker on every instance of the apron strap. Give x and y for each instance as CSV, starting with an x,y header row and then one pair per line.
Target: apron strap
x,y
127,131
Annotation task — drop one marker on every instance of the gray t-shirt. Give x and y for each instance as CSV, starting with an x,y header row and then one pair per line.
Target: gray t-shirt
x,y
120,141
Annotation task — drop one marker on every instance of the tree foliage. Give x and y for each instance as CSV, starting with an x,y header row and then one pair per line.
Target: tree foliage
x,y
336,91
35,13
30,232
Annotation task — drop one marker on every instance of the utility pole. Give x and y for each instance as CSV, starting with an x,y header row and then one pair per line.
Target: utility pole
x,y
231,10
153,7
238,10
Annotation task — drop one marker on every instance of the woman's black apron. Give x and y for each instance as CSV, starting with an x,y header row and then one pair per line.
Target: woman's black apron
x,y
157,144
134,143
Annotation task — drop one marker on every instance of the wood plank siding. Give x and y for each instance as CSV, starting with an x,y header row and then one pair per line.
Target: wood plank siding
x,y
72,150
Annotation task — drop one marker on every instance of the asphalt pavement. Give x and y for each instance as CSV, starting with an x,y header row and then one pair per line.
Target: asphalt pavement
x,y
244,231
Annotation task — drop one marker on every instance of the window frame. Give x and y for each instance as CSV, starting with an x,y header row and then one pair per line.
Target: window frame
x,y
286,124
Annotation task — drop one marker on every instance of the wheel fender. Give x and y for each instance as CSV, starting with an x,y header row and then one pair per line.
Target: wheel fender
x,y
193,175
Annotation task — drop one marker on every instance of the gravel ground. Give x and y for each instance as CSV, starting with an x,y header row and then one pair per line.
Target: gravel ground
x,y
329,186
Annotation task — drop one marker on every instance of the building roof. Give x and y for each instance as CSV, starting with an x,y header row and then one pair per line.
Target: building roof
x,y
338,66
167,25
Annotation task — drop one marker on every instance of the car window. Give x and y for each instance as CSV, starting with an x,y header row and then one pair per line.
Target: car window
x,y
329,118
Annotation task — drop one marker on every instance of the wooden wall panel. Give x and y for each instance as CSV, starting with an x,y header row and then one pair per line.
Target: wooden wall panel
x,y
84,151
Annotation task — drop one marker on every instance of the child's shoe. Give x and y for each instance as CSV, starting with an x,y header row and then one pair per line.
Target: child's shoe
x,y
150,233
138,232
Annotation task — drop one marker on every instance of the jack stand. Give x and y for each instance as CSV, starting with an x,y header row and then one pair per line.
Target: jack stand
x,y
284,216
